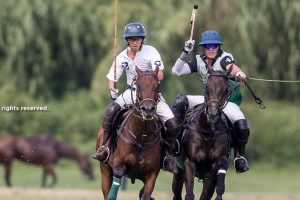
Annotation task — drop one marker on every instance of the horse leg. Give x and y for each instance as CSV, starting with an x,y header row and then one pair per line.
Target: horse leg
x,y
7,173
118,171
177,185
49,170
54,179
44,177
148,186
209,186
222,168
189,171
106,179
142,192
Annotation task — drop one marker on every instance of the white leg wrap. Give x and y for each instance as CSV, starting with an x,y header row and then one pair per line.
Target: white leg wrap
x,y
222,171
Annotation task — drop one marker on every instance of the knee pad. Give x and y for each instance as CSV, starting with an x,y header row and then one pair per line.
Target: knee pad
x,y
241,130
109,115
180,105
173,128
112,108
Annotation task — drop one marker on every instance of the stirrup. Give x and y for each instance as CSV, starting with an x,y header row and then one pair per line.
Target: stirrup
x,y
95,156
243,159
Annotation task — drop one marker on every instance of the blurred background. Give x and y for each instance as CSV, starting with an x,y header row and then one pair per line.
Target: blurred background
x,y
57,54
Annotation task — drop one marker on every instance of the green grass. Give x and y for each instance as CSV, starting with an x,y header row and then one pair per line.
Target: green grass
x,y
261,178
263,181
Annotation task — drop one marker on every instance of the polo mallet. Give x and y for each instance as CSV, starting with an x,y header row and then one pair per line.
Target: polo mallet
x,y
193,18
115,42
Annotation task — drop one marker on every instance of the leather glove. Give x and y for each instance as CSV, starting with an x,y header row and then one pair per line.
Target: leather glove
x,y
114,93
188,46
240,75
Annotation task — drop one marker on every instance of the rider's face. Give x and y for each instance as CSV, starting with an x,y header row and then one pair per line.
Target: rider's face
x,y
212,51
135,43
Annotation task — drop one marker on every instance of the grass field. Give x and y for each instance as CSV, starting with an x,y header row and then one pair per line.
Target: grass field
x,y
262,182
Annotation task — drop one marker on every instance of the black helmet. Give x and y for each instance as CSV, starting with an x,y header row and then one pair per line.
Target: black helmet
x,y
134,29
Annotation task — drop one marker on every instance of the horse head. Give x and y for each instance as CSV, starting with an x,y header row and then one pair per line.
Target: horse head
x,y
147,92
86,166
216,91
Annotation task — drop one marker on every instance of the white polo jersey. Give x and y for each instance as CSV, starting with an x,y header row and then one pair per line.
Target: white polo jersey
x,y
148,58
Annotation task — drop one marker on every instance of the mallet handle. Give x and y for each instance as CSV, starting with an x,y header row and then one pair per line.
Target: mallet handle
x,y
193,18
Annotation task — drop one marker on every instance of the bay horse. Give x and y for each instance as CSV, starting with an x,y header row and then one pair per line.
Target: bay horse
x,y
205,143
137,154
43,150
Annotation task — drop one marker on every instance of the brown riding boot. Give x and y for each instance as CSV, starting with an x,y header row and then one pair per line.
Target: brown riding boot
x,y
102,154
172,130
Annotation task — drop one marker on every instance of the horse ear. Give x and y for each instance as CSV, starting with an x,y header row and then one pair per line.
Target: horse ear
x,y
229,70
156,70
138,71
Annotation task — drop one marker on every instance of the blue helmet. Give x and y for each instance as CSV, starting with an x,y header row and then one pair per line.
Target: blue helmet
x,y
210,37
134,29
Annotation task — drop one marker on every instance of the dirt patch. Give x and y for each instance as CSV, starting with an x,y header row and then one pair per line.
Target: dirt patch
x,y
84,194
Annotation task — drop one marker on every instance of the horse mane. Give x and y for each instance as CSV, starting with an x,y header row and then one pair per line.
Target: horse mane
x,y
218,73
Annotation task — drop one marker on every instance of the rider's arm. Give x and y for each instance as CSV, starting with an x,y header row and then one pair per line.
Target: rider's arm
x,y
160,74
226,64
235,68
115,73
111,84
181,67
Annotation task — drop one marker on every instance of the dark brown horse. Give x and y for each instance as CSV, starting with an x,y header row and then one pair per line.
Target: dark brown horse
x,y
138,148
205,143
43,150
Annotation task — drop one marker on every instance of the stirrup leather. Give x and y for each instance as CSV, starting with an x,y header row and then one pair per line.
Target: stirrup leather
x,y
163,163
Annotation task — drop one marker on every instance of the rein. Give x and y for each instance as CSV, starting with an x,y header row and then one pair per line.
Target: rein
x,y
132,139
256,99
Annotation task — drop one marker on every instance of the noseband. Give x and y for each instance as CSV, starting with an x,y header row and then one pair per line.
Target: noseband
x,y
219,102
139,104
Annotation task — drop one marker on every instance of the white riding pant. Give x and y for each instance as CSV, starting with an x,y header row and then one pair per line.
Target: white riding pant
x,y
232,110
163,110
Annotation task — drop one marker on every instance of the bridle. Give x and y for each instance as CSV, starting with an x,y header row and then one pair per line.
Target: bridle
x,y
139,103
221,102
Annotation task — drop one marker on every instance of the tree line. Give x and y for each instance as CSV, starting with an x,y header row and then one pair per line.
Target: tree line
x,y
48,48
56,54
